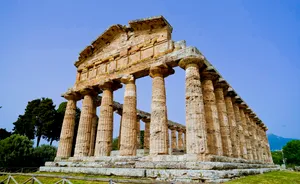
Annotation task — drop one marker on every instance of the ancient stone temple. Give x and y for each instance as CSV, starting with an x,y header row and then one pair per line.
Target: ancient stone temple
x,y
222,137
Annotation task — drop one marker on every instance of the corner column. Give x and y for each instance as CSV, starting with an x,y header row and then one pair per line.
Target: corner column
x,y
105,124
67,131
129,118
196,142
82,146
158,125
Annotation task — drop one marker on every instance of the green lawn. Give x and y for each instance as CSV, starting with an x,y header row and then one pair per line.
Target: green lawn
x,y
276,177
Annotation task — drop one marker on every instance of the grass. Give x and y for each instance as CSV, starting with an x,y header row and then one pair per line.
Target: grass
x,y
276,177
50,180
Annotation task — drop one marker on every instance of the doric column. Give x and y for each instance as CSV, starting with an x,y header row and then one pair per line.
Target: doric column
x,y
194,108
147,135
138,134
223,119
246,132
129,118
232,123
173,138
254,138
258,139
67,131
180,140
269,158
250,142
105,124
93,134
184,140
158,125
211,113
82,146
120,128
239,123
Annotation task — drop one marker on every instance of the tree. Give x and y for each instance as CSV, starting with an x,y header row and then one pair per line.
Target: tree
x,y
292,152
15,151
38,118
115,143
42,154
277,157
4,133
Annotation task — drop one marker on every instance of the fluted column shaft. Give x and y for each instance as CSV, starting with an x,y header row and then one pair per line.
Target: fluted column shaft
x,y
82,146
259,145
241,133
233,127
268,151
254,139
212,120
129,119
105,124
223,119
147,136
174,139
93,134
67,131
250,138
158,125
138,134
195,138
246,134
180,140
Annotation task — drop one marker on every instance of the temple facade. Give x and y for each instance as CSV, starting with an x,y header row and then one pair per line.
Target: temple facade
x,y
219,125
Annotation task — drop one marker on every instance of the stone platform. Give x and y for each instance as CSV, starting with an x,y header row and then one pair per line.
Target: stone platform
x,y
160,168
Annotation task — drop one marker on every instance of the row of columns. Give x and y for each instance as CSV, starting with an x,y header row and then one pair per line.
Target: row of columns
x,y
217,122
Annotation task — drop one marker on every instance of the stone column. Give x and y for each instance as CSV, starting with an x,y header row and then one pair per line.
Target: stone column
x,y
195,116
93,134
120,128
82,146
105,124
180,140
241,133
246,132
184,141
129,118
223,119
211,113
232,123
267,145
67,131
250,138
174,139
138,134
147,135
258,140
254,139
158,125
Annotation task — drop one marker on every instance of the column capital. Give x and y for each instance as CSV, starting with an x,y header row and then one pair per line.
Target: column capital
x,y
89,91
71,95
191,61
109,84
230,92
161,70
208,74
128,79
221,83
146,120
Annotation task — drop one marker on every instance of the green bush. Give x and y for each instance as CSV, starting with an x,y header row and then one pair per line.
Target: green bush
x,y
292,152
43,154
15,151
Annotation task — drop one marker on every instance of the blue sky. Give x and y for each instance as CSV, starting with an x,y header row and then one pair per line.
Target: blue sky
x,y
255,45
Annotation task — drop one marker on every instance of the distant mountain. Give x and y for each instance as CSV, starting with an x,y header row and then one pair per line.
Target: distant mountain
x,y
277,142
